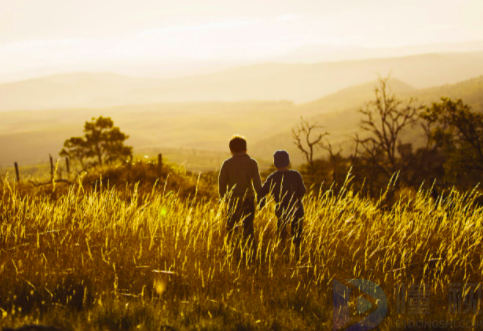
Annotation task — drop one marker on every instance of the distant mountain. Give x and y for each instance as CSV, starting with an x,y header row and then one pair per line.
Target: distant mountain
x,y
471,91
273,81
302,83
351,97
69,90
29,136
323,52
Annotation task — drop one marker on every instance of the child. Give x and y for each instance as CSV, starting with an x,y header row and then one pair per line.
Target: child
x,y
288,189
239,174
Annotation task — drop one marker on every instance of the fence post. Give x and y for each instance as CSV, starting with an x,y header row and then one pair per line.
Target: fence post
x,y
51,168
16,171
160,163
67,166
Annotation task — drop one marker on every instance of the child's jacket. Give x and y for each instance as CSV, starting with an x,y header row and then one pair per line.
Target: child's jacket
x,y
288,189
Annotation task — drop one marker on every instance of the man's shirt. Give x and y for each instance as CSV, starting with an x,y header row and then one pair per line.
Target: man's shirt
x,y
240,173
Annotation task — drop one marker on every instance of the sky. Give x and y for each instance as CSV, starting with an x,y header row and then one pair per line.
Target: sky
x,y
172,37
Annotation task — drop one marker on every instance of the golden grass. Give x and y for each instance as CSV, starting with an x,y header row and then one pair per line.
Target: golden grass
x,y
107,259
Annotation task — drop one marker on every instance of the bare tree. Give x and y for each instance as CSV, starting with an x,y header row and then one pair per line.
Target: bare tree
x,y
308,138
384,119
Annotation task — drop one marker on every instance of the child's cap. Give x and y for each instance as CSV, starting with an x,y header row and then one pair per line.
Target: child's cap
x,y
281,159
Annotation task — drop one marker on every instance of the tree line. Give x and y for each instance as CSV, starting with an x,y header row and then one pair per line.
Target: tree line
x,y
449,152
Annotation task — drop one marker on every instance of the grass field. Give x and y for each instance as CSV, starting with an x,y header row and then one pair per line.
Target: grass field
x,y
147,257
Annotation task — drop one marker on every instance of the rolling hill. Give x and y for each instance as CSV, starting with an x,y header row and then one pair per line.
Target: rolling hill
x,y
29,136
299,83
339,113
68,90
200,131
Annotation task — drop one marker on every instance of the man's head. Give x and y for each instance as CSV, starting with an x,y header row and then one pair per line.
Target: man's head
x,y
281,159
238,144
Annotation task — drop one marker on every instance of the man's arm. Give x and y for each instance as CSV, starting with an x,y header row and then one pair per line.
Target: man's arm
x,y
301,188
222,180
261,198
257,181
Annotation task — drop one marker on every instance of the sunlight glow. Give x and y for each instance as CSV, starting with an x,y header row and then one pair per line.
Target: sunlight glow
x,y
127,36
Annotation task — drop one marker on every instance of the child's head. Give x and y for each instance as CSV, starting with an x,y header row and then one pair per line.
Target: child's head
x,y
238,144
281,159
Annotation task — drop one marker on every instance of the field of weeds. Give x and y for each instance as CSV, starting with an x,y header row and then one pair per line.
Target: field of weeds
x,y
120,259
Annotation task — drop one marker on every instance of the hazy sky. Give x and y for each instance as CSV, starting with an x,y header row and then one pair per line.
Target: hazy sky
x,y
39,35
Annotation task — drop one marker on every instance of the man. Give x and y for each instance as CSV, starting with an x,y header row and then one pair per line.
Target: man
x,y
239,175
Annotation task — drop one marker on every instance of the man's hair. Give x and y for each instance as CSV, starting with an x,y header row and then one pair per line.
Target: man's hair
x,y
238,144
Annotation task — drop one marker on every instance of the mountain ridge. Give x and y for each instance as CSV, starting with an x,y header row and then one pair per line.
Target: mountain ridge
x,y
29,136
300,83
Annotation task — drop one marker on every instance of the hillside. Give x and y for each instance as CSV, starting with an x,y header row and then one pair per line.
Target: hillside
x,y
353,96
69,90
29,136
299,83
471,91
196,134
339,113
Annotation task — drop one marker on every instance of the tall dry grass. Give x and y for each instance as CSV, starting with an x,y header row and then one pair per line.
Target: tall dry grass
x,y
114,259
